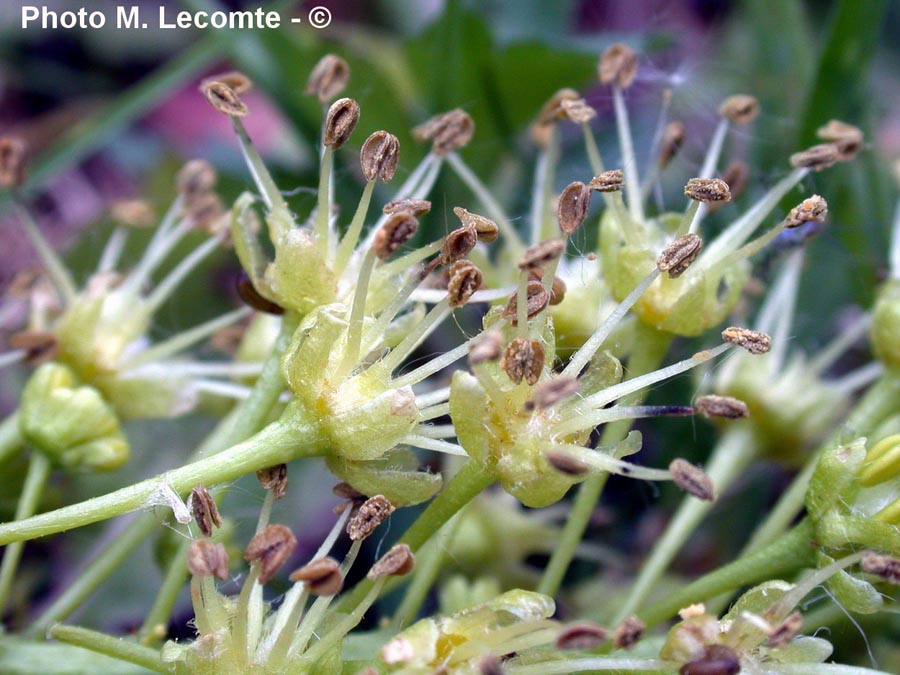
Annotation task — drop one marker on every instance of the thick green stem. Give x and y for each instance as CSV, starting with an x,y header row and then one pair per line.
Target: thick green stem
x,y
784,556
467,484
10,438
118,648
729,459
278,443
32,490
650,347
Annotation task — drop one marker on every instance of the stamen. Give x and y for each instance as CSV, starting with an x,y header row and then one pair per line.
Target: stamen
x,y
595,418
61,277
629,161
432,397
580,359
894,256
434,444
495,211
112,252
357,316
416,336
351,237
848,337
542,188
601,461
328,78
859,378
437,431
167,286
11,357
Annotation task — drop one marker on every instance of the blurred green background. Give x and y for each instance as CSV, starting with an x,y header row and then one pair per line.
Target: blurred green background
x,y
111,114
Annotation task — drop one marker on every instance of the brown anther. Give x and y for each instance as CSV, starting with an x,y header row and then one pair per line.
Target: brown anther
x,y
206,559
618,66
417,207
608,181
884,566
347,491
397,562
523,360
195,177
553,110
577,110
340,121
557,291
670,143
551,392
692,479
573,206
817,157
12,161
379,156
399,228
786,631
486,348
252,297
205,211
541,253
328,78
223,98
581,636
716,660
740,108
234,79
465,279
490,665
274,478
447,132
136,213
458,244
565,463
204,510
847,138
707,190
485,228
39,346
321,577
628,633
270,548
679,254
722,406
536,300
812,209
754,341
373,512
736,175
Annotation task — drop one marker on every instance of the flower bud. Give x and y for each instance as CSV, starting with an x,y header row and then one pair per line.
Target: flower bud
x,y
328,78
340,121
447,132
574,203
679,254
618,66
224,99
270,549
379,156
12,161
71,424
740,108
